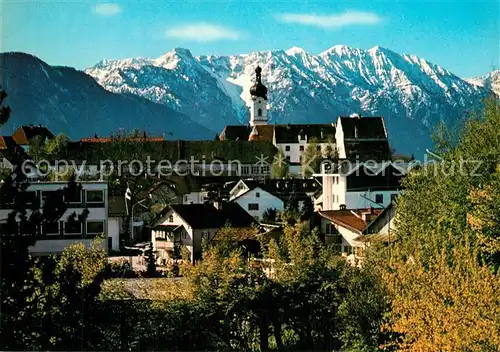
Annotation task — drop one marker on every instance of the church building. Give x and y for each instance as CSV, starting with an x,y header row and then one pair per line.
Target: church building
x,y
346,136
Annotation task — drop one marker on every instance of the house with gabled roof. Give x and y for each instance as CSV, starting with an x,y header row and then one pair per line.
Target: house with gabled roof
x,y
25,134
359,185
362,138
11,153
382,229
255,198
343,229
191,224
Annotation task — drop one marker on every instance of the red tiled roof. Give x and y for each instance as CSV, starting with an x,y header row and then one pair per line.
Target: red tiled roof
x,y
3,142
351,219
131,139
24,134
12,151
262,133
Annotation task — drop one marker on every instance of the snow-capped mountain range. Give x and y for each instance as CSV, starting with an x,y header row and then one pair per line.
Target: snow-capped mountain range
x,y
411,93
71,102
490,81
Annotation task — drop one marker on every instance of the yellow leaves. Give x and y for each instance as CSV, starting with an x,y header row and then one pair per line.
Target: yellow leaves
x,y
156,289
89,261
443,307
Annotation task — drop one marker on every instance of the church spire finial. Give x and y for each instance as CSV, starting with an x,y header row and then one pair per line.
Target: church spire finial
x,y
258,89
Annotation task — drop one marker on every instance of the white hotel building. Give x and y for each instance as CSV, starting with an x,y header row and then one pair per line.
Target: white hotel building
x,y
56,236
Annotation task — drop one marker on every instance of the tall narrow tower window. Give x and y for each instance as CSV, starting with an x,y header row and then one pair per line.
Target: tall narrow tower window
x,y
259,112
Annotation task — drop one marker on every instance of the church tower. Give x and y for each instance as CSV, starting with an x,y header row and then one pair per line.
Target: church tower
x,y
258,108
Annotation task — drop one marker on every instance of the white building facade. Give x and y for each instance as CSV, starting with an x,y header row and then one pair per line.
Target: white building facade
x,y
257,201
361,186
71,226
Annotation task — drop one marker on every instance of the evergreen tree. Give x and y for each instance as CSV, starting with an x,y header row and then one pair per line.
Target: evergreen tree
x,y
311,158
279,166
307,209
4,110
151,261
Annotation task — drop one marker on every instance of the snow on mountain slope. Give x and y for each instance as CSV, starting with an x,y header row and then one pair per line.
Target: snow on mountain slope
x,y
490,81
411,93
69,101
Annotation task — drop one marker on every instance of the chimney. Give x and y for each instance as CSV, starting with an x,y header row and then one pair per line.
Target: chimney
x,y
355,131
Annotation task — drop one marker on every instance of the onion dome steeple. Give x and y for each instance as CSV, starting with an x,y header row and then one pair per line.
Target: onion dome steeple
x,y
258,89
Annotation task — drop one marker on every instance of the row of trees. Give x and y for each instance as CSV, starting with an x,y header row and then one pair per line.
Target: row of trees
x,y
442,274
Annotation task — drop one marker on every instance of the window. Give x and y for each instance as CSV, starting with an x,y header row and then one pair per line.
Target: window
x,y
259,112
287,148
318,148
55,196
337,243
73,227
50,228
161,234
288,158
349,250
95,227
264,170
301,148
329,229
73,197
245,170
95,196
29,197
255,169
253,206
257,194
337,239
7,199
379,198
171,218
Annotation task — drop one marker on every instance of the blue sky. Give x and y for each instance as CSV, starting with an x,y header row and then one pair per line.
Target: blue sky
x,y
461,36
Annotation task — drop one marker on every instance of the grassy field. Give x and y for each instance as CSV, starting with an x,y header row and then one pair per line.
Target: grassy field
x,y
156,289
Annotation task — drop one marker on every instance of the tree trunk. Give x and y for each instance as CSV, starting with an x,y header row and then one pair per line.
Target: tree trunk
x,y
277,334
264,333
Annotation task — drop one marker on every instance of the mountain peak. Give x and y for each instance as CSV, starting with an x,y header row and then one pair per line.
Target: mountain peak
x,y
173,57
294,50
183,52
381,49
306,88
339,50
